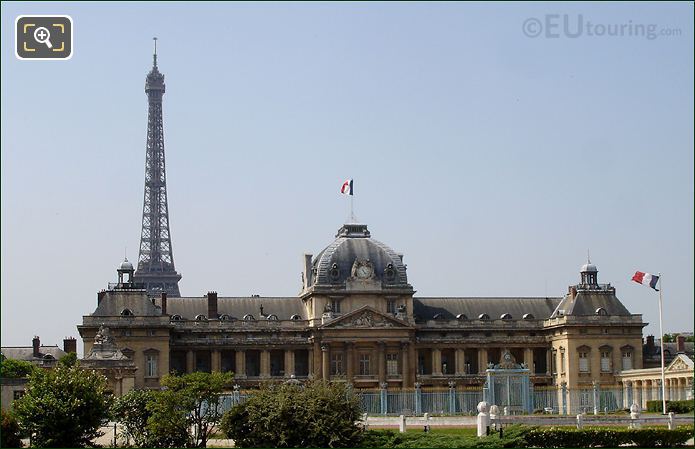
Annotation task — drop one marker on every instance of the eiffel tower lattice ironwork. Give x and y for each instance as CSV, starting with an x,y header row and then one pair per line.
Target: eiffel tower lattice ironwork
x,y
156,259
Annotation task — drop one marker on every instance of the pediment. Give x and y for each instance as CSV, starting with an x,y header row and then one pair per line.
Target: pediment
x,y
365,317
680,363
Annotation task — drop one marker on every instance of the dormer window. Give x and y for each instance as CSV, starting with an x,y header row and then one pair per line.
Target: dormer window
x,y
505,316
176,317
272,317
201,317
461,317
390,273
225,317
126,312
334,272
529,316
249,317
296,317
601,311
483,316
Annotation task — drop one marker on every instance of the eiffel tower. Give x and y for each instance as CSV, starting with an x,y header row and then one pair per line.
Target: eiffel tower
x,y
156,259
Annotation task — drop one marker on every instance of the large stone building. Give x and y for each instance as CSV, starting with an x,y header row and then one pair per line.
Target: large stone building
x,y
356,320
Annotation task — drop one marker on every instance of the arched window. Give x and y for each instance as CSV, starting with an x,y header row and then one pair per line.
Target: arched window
x,y
529,316
126,312
461,317
272,317
249,317
601,311
505,316
176,317
224,317
483,316
296,317
201,317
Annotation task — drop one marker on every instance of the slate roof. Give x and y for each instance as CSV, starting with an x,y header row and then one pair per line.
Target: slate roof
x,y
237,307
354,242
115,301
586,302
27,353
540,308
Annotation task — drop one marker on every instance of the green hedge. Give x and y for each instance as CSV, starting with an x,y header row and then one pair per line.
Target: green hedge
x,y
522,436
671,406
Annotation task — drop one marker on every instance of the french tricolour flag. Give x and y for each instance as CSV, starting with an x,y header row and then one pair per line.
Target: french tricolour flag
x,y
646,279
346,189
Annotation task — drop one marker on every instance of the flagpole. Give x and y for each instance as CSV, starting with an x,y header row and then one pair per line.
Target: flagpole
x,y
661,331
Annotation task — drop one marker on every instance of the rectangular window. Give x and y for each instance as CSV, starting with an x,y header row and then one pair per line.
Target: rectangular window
x,y
605,362
337,364
562,361
583,362
151,365
627,360
391,306
365,369
392,364
335,305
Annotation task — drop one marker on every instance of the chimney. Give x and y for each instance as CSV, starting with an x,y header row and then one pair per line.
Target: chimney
x,y
680,342
36,344
307,270
212,305
100,296
70,345
164,303
650,344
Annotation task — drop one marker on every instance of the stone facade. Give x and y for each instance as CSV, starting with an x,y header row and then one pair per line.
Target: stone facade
x,y
357,320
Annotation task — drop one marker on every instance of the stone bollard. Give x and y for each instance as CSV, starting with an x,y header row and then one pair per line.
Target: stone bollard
x,y
634,415
401,426
494,415
427,422
506,410
364,420
580,421
483,419
671,423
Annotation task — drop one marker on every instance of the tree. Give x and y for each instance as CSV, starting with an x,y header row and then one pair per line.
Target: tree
x,y
69,360
131,411
9,434
10,368
63,407
191,401
319,414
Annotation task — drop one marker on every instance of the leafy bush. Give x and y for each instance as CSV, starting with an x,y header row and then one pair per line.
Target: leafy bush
x,y
608,437
318,414
63,407
671,406
131,411
9,434
14,369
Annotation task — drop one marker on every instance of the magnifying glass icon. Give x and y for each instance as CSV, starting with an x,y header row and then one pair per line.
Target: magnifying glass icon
x,y
42,36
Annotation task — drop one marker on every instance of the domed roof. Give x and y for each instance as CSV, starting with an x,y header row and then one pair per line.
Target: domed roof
x,y
125,265
589,268
353,243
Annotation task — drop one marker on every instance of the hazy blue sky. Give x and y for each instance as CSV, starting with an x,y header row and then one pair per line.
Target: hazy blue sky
x,y
491,159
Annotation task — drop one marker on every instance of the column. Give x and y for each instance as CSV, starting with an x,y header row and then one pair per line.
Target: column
x,y
215,360
190,361
289,362
460,358
240,362
381,360
436,362
349,361
405,365
482,361
316,363
528,359
265,363
325,362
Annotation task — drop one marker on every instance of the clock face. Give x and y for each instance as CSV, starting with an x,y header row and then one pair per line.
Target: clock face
x,y
363,272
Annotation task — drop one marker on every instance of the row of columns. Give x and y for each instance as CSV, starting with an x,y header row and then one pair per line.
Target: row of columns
x,y
460,360
240,362
677,389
